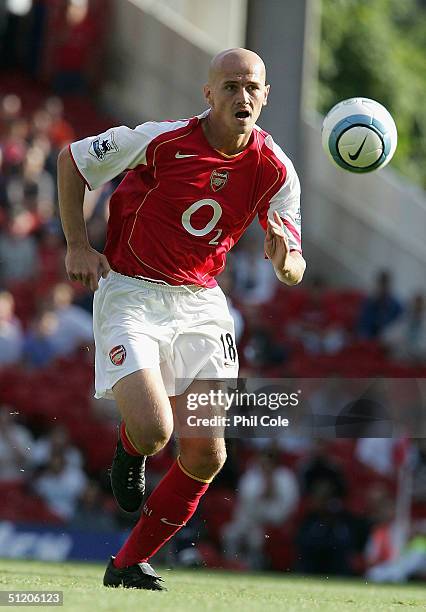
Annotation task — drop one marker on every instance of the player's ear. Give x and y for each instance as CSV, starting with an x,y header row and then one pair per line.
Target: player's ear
x,y
208,94
265,100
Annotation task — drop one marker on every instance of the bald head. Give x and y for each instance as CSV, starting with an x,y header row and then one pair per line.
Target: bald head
x,y
242,61
236,92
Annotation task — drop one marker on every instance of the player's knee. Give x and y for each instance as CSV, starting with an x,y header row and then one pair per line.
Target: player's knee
x,y
213,461
205,463
150,440
217,462
152,447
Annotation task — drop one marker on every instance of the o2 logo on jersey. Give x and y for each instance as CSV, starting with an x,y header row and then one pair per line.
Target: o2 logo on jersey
x,y
118,355
101,147
217,213
218,179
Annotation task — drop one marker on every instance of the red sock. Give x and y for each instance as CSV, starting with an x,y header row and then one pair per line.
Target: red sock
x,y
129,447
167,509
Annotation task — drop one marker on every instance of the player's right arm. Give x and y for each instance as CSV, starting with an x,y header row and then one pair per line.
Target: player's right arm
x,y
94,161
82,262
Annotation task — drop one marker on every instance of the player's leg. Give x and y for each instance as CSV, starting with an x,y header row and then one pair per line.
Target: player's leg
x,y
169,507
147,424
145,409
176,497
206,354
127,369
146,427
202,450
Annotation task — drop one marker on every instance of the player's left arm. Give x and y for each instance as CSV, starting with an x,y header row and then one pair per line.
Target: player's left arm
x,y
289,265
282,222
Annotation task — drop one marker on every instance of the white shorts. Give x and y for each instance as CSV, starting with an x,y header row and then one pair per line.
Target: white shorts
x,y
187,332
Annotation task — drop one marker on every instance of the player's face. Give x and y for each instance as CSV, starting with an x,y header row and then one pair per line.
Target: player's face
x,y
237,95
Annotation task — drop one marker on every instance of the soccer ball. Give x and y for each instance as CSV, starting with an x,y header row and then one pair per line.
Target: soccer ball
x,y
359,135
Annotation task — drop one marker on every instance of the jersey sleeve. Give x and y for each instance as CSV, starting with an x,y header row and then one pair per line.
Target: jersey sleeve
x,y
99,159
286,202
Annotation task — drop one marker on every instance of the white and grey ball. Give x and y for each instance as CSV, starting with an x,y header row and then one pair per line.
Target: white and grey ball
x,y
359,135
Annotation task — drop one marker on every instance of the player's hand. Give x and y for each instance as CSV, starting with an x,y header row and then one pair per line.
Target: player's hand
x,y
86,266
276,243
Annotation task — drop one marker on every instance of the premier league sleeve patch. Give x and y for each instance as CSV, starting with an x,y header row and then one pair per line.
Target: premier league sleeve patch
x,y
118,355
103,146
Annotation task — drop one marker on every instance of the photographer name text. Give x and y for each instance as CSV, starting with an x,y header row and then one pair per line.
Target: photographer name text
x,y
253,420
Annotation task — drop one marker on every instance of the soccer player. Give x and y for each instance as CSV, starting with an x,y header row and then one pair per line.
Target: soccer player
x,y
192,188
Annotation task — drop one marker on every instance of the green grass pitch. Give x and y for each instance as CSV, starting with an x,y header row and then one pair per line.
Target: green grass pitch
x,y
195,590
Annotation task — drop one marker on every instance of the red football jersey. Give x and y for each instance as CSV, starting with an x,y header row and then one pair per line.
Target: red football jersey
x,y
183,205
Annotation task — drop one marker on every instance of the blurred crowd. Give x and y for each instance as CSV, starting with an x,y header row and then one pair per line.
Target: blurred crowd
x,y
49,470
59,42
312,506
42,316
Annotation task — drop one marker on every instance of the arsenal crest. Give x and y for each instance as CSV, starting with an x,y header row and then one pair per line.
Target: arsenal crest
x,y
117,355
218,179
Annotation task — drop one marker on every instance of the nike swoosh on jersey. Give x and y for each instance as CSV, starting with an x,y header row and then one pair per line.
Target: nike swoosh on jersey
x,y
356,155
164,520
180,155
